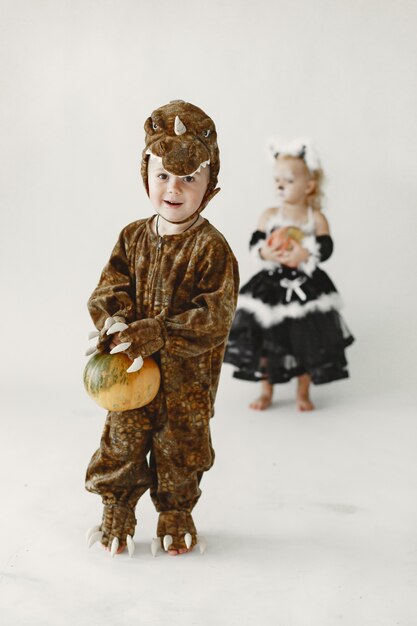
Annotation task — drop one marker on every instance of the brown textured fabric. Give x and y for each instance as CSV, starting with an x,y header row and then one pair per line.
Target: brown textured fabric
x,y
176,524
118,521
183,153
179,300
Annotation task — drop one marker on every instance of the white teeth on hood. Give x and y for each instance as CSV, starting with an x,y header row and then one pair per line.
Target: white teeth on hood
x,y
159,159
203,164
154,156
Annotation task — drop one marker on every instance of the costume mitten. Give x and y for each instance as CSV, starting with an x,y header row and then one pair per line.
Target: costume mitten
x,y
103,337
176,530
140,339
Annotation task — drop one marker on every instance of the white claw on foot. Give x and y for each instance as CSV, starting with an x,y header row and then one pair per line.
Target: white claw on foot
x,y
130,546
136,365
109,322
121,347
94,538
117,328
188,540
156,542
93,334
202,544
114,546
167,542
91,531
91,351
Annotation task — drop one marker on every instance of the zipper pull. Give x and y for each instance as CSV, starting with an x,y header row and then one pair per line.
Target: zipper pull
x,y
159,244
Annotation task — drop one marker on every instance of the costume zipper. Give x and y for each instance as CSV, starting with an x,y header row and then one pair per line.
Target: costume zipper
x,y
153,275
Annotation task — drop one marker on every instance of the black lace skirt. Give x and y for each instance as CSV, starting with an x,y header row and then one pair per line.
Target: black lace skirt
x,y
288,324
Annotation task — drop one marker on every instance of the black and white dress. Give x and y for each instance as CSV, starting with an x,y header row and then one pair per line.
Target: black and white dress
x,y
287,321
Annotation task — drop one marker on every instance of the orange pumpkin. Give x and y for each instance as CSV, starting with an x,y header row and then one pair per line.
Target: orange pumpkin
x,y
282,237
107,382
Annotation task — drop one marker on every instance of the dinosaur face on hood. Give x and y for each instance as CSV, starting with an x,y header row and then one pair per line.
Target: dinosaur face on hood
x,y
184,139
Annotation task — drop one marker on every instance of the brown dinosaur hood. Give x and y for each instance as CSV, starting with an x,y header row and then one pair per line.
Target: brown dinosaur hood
x,y
185,139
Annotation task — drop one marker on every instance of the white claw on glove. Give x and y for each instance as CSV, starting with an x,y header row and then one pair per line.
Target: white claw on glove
x,y
93,334
202,544
93,535
91,351
114,547
167,542
155,546
109,322
121,347
117,328
136,365
188,540
130,546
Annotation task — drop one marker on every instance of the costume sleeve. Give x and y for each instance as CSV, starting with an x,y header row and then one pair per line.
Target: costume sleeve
x,y
114,294
320,249
206,321
326,246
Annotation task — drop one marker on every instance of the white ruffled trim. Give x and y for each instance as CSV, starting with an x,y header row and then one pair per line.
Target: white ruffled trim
x,y
310,244
279,221
268,315
261,264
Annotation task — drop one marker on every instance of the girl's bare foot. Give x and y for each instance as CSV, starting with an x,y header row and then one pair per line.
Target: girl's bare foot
x,y
305,404
265,399
261,403
303,397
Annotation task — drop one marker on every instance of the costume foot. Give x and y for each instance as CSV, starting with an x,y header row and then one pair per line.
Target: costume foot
x,y
156,544
262,403
305,404
116,530
176,534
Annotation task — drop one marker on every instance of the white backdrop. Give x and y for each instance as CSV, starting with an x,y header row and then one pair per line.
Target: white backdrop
x,y
79,77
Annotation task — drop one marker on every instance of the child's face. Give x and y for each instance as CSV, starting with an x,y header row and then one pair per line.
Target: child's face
x,y
175,197
293,181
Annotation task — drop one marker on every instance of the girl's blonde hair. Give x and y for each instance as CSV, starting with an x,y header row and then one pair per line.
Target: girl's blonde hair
x,y
316,197
304,150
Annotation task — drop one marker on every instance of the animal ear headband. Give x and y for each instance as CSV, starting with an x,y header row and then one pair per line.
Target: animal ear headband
x,y
298,148
184,139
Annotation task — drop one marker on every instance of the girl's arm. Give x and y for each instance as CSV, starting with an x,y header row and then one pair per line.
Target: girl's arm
x,y
313,249
257,245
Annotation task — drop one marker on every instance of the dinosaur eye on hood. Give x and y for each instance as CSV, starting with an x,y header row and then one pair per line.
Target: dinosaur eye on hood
x,y
206,132
154,125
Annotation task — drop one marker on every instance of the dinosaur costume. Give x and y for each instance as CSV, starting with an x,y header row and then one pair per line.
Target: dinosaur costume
x,y
175,297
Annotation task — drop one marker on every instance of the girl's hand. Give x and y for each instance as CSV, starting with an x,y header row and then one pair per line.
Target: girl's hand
x,y
293,257
269,253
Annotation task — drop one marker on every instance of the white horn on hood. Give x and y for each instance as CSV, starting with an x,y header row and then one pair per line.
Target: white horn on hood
x,y
179,127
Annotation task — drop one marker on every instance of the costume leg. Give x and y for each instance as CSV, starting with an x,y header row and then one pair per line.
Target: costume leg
x,y
180,454
119,472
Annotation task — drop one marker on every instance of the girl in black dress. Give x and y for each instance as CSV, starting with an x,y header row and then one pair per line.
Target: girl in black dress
x,y
287,322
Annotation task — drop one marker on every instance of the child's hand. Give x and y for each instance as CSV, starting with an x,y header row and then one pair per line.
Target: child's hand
x,y
270,253
294,256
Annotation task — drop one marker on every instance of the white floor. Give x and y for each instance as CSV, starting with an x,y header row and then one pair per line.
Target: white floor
x,y
310,519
